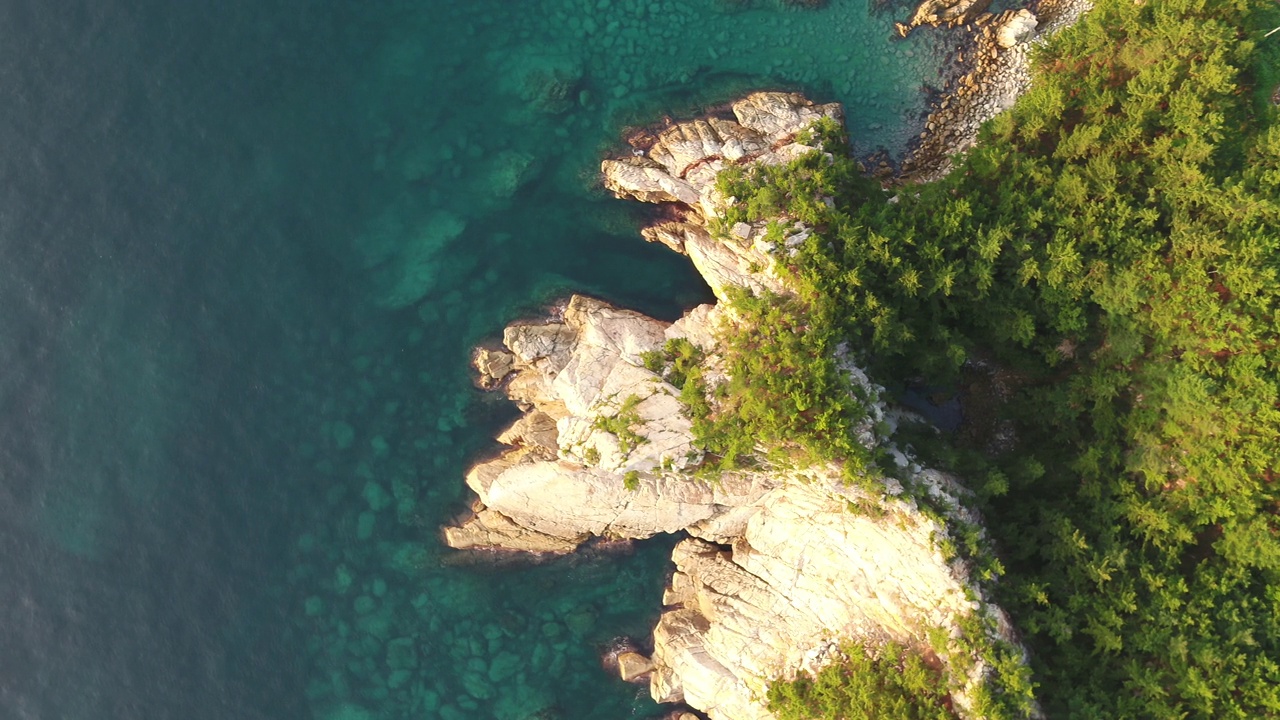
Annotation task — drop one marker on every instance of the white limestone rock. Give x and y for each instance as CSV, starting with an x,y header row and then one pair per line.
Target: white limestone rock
x,y
682,167
1015,27
804,575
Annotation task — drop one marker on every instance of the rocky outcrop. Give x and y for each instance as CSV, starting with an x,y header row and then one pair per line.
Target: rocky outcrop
x,y
601,448
684,160
780,570
781,567
682,165
805,575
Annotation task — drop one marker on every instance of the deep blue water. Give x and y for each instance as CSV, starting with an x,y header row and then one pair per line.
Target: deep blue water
x,y
244,249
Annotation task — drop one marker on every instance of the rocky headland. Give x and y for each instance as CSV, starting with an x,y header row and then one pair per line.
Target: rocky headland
x,y
782,566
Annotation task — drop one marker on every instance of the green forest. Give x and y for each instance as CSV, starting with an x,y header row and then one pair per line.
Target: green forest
x,y
1109,256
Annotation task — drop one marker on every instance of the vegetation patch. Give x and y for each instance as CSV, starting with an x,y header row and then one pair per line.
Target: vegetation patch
x,y
621,424
887,683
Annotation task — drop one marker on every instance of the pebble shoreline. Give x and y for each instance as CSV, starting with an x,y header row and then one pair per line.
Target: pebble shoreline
x,y
989,79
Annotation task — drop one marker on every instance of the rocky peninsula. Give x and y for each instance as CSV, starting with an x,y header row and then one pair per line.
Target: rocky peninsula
x,y
782,566
778,571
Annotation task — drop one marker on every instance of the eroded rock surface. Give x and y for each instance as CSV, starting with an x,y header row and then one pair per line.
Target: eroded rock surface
x,y
566,477
805,575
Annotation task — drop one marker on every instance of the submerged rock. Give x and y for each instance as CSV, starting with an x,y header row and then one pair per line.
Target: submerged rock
x,y
493,365
943,13
347,711
408,261
547,83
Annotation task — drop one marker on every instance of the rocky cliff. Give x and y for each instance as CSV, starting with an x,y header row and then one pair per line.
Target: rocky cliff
x,y
780,567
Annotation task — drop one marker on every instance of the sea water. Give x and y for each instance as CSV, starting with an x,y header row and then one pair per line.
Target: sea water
x,y
245,248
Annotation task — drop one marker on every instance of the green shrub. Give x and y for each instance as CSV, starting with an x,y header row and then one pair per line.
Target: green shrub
x,y
887,683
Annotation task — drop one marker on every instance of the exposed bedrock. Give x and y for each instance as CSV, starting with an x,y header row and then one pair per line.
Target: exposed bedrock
x,y
943,13
565,478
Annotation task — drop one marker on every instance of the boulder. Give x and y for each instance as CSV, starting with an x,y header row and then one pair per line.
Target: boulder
x,y
493,365
534,429
1014,27
633,666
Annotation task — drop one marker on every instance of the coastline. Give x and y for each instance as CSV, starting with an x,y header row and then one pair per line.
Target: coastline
x,y
540,512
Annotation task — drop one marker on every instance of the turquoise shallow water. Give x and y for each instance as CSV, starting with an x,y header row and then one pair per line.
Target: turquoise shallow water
x,y
244,250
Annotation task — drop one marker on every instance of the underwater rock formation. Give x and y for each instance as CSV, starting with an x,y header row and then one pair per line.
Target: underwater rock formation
x,y
780,569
